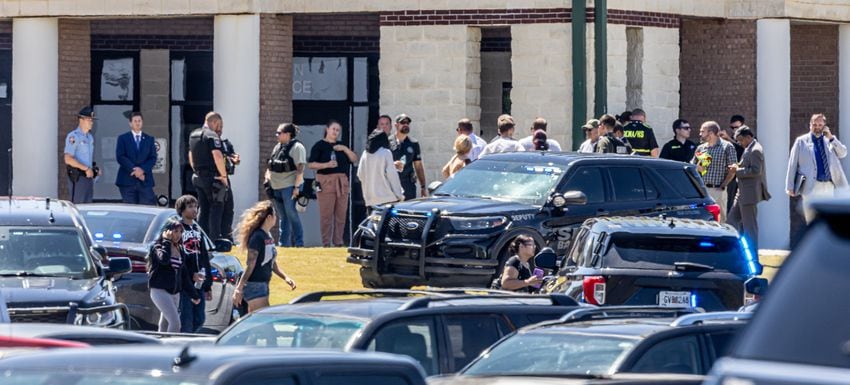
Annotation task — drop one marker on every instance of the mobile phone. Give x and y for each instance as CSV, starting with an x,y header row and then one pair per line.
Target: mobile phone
x,y
538,272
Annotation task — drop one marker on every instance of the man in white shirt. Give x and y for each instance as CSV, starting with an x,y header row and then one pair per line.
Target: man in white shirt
x,y
591,130
528,141
464,127
505,142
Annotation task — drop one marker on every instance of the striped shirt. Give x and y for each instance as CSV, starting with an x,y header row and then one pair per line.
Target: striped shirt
x,y
722,156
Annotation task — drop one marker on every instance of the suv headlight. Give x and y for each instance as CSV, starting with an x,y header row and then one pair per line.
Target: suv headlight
x,y
105,318
373,220
477,223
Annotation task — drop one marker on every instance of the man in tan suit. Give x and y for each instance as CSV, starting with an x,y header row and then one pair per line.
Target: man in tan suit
x,y
752,187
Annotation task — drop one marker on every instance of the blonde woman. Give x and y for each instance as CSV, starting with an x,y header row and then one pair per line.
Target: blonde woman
x,y
463,146
255,236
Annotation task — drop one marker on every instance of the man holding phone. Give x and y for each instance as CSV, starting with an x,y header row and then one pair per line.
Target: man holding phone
x,y
814,167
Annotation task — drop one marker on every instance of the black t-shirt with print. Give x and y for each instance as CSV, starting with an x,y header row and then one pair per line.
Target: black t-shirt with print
x,y
409,148
641,137
263,243
321,153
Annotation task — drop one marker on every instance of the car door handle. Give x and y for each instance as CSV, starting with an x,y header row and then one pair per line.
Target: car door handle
x,y
602,212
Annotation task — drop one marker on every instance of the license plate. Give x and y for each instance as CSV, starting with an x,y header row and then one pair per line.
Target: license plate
x,y
674,299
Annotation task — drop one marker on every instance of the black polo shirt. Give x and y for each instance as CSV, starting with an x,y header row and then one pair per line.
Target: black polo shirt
x,y
202,142
676,150
641,137
408,148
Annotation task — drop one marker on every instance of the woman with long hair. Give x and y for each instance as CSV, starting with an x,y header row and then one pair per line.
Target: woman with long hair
x,y
168,277
517,274
255,236
463,147
332,161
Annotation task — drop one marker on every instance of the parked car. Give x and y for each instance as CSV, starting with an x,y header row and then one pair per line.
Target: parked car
x,y
441,330
93,336
129,231
459,236
613,379
787,343
604,341
171,365
50,268
661,260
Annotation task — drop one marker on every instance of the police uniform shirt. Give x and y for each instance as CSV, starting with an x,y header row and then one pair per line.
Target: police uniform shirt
x,y
640,137
202,142
80,146
676,150
408,148
228,151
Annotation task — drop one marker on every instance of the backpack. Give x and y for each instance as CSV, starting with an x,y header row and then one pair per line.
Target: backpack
x,y
281,161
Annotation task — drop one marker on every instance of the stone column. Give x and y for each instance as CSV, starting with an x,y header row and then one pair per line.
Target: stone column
x,y
155,69
35,74
542,79
661,80
236,75
433,74
773,103
844,88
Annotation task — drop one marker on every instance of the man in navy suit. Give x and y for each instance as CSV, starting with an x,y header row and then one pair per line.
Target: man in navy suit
x,y
136,155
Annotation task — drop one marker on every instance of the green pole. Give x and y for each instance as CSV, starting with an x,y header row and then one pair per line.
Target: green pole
x,y
600,45
579,22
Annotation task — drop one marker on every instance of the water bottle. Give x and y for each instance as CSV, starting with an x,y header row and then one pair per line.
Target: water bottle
x,y
403,160
333,156
203,273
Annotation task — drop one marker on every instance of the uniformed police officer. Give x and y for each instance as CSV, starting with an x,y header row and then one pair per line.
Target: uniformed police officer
x,y
206,157
640,135
79,152
231,159
679,148
408,158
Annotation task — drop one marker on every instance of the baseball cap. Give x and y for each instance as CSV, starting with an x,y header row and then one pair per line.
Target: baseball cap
x,y
401,117
87,112
591,124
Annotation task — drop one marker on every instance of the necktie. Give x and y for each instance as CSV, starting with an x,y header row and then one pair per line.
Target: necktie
x,y
138,139
824,155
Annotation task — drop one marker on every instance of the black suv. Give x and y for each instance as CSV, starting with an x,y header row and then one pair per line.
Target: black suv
x,y
604,341
442,330
798,334
459,236
661,261
51,271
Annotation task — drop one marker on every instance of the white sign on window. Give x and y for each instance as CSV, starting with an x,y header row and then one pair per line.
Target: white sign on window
x,y
319,78
161,152
116,80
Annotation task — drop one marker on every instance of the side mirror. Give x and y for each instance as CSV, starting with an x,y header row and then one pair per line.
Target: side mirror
x,y
101,251
223,245
546,259
434,186
560,201
756,286
117,267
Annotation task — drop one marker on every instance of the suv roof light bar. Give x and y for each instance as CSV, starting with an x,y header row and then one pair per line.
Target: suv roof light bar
x,y
695,319
317,296
609,312
469,290
423,302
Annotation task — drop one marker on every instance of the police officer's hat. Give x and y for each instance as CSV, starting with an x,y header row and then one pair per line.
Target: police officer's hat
x,y
87,112
401,117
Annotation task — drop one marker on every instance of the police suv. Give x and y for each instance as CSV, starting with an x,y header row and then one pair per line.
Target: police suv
x,y
460,235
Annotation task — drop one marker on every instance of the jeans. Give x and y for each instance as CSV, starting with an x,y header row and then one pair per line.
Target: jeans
x,y
192,316
291,232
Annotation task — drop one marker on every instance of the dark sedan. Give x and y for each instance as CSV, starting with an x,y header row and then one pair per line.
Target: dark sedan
x,y
93,336
129,231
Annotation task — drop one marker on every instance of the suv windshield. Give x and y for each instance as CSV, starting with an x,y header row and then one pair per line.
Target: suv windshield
x,y
292,330
27,251
106,225
553,353
647,251
518,182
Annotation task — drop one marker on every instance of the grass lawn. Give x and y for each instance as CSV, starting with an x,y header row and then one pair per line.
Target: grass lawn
x,y
316,269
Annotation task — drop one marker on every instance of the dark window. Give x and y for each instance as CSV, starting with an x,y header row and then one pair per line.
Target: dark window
x,y
643,251
413,338
649,185
721,341
681,182
470,334
267,377
589,181
628,184
578,246
676,355
359,379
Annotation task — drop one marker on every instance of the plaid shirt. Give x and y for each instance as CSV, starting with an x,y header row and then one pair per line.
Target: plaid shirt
x,y
722,156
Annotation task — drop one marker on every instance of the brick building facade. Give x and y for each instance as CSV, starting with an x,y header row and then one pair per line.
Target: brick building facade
x,y
263,63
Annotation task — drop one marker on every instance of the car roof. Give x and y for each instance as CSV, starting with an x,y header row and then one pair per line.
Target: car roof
x,y
630,327
662,226
202,361
567,158
72,332
364,309
32,211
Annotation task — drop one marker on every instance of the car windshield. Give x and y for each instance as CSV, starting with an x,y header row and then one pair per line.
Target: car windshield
x,y
642,251
292,330
512,181
50,376
31,251
117,226
553,353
